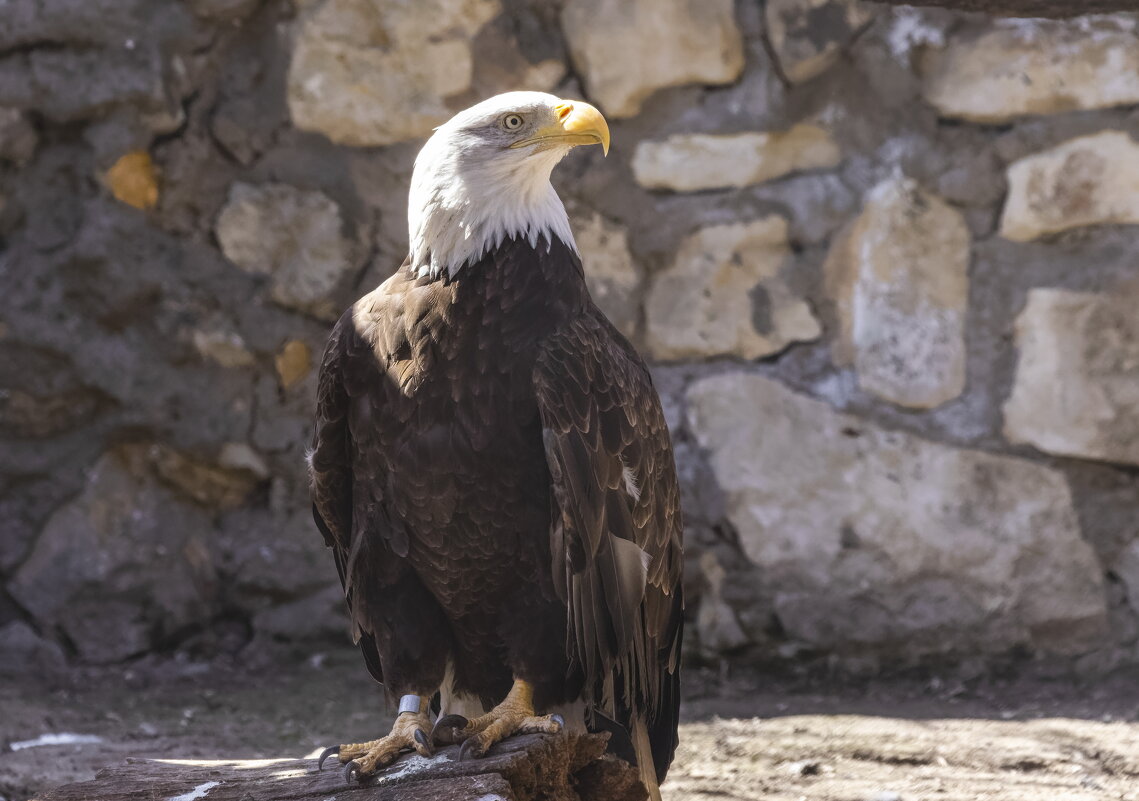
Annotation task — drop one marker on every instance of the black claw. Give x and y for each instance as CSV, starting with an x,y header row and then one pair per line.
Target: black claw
x,y
421,738
558,719
325,754
352,772
469,749
453,722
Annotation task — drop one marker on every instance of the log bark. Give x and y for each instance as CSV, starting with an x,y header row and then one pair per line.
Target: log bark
x,y
536,767
1028,8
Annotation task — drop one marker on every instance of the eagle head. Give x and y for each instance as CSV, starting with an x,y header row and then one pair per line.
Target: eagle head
x,y
484,176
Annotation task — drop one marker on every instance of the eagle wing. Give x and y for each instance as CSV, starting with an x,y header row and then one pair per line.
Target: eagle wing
x,y
616,528
345,369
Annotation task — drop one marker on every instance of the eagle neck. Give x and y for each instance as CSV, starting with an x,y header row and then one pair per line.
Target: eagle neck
x,y
458,215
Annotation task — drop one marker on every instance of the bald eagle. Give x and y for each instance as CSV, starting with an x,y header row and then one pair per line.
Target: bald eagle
x,y
492,470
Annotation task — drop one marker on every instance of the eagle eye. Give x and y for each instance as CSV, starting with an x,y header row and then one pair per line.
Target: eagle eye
x,y
512,122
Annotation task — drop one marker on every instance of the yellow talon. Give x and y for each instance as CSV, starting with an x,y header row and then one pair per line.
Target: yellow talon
x,y
515,715
409,732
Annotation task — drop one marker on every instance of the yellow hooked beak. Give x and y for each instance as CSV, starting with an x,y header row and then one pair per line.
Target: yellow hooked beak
x,y
578,124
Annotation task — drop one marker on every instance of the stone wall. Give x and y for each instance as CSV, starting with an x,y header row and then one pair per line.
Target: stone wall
x,y
883,259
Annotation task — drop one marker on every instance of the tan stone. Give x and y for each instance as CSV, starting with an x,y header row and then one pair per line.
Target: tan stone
x,y
691,162
627,49
293,362
241,456
1090,180
290,234
898,276
869,536
807,36
1076,391
366,72
211,484
723,295
227,348
717,626
134,181
1015,68
613,277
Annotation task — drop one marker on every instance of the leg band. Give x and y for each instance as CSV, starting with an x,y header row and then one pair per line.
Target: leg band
x,y
409,703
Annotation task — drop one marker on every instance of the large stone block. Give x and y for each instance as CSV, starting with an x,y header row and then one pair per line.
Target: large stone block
x,y
627,49
807,36
1090,180
613,277
723,295
692,162
366,72
1076,391
1016,68
293,236
899,278
122,566
871,537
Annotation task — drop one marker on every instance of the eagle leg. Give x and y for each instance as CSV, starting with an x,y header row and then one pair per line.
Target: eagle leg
x,y
409,731
515,715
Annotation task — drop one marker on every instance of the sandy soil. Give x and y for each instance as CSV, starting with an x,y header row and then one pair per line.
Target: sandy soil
x,y
1027,738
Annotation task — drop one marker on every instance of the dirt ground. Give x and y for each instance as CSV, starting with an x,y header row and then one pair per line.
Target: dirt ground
x,y
1028,738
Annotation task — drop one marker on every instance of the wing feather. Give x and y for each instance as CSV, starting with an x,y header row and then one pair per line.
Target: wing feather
x,y
616,554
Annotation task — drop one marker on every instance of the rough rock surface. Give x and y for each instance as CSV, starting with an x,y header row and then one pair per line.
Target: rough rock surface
x,y
1076,391
627,49
807,36
866,534
17,136
724,295
899,280
613,276
365,72
691,162
124,324
1090,180
122,566
1014,69
292,236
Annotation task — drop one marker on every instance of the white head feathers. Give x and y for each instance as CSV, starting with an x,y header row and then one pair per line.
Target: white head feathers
x,y
484,176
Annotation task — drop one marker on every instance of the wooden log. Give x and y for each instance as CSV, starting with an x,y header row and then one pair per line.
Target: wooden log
x,y
1028,8
534,767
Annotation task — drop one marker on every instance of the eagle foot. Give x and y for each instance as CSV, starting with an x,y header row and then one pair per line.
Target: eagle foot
x,y
361,760
515,715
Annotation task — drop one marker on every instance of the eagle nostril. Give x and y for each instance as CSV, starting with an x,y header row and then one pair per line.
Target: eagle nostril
x,y
563,110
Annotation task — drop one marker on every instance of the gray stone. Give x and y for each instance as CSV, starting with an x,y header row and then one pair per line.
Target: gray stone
x,y
693,162
627,49
291,235
17,136
808,36
1126,569
73,85
320,615
22,651
614,278
1076,390
723,295
121,566
1090,180
224,10
1011,69
898,276
365,72
882,539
